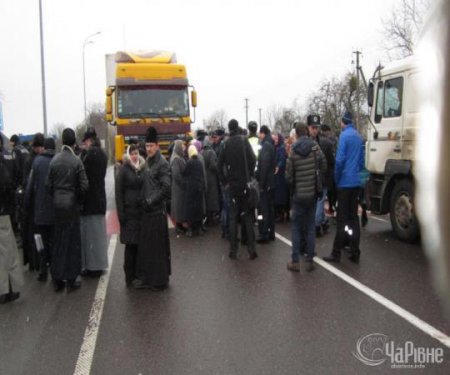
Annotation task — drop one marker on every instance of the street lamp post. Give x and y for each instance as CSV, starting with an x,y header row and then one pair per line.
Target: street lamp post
x,y
44,102
85,43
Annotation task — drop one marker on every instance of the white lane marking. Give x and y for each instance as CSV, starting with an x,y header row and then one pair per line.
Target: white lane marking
x,y
400,311
378,218
84,362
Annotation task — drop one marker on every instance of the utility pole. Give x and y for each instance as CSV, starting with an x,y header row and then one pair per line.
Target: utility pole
x,y
246,112
260,124
44,101
357,53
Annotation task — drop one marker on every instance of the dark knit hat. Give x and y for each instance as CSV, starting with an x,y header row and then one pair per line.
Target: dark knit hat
x,y
15,139
49,144
68,137
233,125
89,134
151,135
347,118
313,120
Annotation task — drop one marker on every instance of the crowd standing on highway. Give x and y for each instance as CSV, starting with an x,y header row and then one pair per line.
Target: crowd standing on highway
x,y
252,178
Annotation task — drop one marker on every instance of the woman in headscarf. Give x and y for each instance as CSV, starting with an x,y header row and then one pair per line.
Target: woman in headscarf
x,y
177,204
195,191
128,189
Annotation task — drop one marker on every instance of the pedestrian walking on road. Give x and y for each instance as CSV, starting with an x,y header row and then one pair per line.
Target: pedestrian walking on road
x,y
236,155
67,183
94,244
128,187
212,183
349,165
301,168
281,197
11,273
153,264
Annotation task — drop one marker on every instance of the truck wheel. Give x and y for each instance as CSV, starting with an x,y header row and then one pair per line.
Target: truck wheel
x,y
403,218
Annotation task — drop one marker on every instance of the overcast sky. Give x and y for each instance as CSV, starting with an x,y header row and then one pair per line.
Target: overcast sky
x,y
270,51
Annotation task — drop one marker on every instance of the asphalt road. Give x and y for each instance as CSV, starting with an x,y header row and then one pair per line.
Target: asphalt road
x,y
232,317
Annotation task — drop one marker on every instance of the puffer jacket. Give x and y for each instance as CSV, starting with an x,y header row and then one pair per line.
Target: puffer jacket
x,y
301,170
156,185
67,183
349,159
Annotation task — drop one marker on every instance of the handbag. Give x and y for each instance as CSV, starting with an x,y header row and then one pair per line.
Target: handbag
x,y
252,184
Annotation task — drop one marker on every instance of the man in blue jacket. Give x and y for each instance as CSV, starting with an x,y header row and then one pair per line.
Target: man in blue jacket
x,y
349,164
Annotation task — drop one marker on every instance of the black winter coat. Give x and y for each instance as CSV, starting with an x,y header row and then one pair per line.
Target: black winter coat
x,y
36,192
128,192
95,163
156,184
195,190
328,151
231,164
6,188
266,164
67,183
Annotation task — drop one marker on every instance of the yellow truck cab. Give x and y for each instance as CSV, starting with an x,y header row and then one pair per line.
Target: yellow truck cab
x,y
147,89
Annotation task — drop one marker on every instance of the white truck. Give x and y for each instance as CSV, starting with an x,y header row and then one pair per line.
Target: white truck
x,y
393,98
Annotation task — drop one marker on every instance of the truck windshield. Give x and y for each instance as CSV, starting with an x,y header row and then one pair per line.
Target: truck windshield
x,y
152,101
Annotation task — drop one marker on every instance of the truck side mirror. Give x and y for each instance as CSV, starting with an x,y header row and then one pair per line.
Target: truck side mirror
x,y
370,94
108,105
194,98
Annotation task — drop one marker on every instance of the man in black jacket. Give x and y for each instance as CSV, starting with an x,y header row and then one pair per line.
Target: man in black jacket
x,y
266,179
235,157
327,178
67,183
304,159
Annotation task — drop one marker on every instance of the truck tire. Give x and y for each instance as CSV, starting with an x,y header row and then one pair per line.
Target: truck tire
x,y
402,212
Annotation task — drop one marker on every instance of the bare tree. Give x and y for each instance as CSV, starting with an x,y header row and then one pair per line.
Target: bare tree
x,y
334,97
402,29
218,118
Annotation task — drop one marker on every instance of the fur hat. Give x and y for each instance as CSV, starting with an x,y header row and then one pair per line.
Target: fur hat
x,y
151,135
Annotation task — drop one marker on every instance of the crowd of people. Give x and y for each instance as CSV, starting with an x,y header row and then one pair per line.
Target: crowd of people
x,y
248,178
55,205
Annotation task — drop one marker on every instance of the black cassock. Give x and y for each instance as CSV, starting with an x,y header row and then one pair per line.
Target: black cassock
x,y
153,266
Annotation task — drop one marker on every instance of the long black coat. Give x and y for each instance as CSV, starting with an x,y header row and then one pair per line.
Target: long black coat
x,y
128,192
153,264
212,180
37,193
67,183
95,163
195,190
266,164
